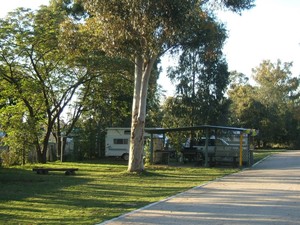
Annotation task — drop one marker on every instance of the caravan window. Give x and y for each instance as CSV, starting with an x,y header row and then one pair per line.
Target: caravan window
x,y
120,141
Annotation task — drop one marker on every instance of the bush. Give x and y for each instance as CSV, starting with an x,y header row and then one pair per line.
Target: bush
x,y
147,153
9,158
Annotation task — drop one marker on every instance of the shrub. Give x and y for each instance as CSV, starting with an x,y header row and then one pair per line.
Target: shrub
x,y
147,153
9,158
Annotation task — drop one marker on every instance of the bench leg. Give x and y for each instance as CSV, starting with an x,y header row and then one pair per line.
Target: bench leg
x,y
42,171
70,172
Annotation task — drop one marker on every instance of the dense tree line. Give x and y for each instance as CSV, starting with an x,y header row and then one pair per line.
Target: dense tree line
x,y
74,68
55,83
270,105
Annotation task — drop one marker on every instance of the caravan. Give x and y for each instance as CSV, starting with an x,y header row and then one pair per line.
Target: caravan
x,y
117,142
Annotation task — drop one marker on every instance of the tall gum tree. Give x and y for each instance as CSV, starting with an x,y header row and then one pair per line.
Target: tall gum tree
x,y
143,30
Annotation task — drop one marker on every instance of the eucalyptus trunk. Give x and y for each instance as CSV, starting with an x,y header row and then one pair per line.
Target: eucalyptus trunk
x,y
142,74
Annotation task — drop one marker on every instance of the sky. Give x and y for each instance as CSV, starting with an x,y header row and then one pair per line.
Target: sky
x,y
10,5
269,31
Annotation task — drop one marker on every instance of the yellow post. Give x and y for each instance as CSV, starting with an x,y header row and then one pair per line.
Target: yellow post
x,y
241,149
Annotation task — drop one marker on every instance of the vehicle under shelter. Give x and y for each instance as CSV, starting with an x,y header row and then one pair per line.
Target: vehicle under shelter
x,y
207,145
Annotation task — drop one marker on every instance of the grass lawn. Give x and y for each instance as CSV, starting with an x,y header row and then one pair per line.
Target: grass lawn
x,y
99,191
261,154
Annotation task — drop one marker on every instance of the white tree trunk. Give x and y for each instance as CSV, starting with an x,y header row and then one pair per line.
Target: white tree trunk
x,y
142,74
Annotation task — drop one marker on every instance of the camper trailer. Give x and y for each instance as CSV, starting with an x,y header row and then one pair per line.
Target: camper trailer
x,y
117,142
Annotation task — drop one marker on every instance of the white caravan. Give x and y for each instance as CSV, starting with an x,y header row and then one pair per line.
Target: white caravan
x,y
117,142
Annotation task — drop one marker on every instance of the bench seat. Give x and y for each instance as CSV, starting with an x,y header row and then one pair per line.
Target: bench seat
x,y
68,171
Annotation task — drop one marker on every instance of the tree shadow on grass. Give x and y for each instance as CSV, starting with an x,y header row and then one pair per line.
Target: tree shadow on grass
x,y
20,188
96,193
26,196
20,183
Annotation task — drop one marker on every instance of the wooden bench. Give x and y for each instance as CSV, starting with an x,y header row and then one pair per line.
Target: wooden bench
x,y
68,171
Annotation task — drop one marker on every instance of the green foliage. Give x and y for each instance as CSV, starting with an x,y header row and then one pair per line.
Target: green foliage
x,y
38,77
175,115
9,158
89,140
73,8
147,153
201,84
202,75
47,57
142,31
238,5
141,26
271,106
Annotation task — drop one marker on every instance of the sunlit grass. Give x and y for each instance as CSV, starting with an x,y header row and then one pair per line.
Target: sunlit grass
x,y
99,191
261,154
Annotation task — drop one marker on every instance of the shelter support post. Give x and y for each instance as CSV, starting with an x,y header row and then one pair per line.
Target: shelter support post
x,y
62,149
206,147
151,149
241,149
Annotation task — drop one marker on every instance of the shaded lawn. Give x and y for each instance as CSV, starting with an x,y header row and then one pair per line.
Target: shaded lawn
x,y
99,191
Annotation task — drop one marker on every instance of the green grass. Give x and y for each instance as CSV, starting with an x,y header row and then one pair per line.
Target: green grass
x,y
99,191
261,154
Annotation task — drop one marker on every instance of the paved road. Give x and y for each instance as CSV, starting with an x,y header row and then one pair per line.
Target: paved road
x,y
268,193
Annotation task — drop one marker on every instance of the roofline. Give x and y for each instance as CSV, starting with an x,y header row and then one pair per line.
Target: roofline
x,y
166,130
202,127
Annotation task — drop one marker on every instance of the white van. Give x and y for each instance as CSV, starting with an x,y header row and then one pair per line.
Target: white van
x,y
117,142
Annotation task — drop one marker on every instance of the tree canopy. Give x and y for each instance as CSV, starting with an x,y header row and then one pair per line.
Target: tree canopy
x,y
49,55
37,77
144,30
269,106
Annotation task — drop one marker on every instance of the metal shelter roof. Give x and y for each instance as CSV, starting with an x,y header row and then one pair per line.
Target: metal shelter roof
x,y
202,127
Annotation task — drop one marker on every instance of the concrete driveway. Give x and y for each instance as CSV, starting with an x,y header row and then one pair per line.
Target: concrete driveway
x,y
267,193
